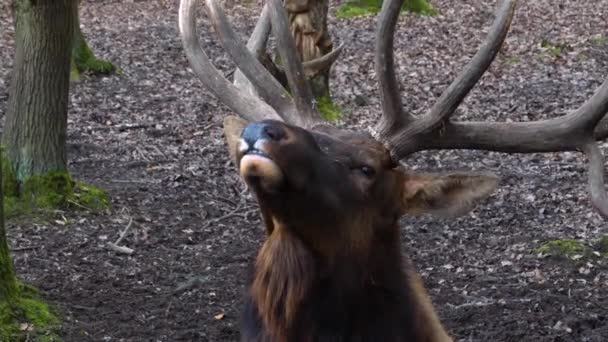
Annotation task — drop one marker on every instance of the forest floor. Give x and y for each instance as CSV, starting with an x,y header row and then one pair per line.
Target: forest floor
x,y
151,136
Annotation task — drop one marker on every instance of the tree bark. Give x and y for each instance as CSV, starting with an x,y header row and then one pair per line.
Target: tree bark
x,y
308,24
36,120
83,58
8,282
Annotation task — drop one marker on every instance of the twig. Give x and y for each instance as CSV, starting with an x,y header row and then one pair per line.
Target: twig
x,y
120,249
79,205
134,181
487,302
190,283
124,232
125,127
24,248
115,245
223,217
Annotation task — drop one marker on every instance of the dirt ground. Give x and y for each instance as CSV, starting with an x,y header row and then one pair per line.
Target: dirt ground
x,y
151,135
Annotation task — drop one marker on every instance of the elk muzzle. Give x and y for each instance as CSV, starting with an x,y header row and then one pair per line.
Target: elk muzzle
x,y
256,165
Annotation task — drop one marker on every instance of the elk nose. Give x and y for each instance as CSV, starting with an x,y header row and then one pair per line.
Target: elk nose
x,y
263,130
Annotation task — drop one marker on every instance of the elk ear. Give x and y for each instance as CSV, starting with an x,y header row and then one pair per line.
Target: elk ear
x,y
233,126
445,195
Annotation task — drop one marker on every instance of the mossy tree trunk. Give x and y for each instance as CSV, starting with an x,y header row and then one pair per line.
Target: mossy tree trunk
x,y
83,58
36,120
308,23
8,282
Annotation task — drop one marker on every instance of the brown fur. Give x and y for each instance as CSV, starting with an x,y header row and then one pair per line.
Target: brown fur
x,y
283,276
330,268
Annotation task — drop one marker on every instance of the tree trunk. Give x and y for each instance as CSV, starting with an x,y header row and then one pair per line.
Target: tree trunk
x,y
8,282
308,23
83,58
36,120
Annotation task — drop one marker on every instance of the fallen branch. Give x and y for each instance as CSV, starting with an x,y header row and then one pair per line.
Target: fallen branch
x,y
115,245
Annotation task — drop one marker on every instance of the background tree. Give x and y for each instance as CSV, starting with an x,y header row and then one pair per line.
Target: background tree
x,y
36,120
8,282
83,58
308,26
21,311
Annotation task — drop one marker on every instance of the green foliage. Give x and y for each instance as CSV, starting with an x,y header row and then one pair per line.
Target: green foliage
x,y
562,248
328,109
357,8
25,317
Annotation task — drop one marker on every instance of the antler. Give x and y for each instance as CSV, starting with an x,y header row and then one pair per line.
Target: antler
x,y
275,102
404,134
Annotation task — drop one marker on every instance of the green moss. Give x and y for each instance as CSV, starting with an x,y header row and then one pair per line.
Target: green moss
x,y
599,40
353,9
51,191
328,109
10,185
513,60
554,49
47,191
90,197
83,60
419,6
562,248
357,8
26,317
602,245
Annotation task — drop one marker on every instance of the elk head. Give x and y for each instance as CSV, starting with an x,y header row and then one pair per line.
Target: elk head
x,y
331,191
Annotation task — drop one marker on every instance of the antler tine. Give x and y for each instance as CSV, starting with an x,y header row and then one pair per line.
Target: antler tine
x,y
266,85
601,131
257,46
249,107
318,64
392,108
286,46
597,189
407,128
456,92
576,131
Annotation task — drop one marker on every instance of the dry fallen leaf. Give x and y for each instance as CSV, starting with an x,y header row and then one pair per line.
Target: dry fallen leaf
x,y
219,316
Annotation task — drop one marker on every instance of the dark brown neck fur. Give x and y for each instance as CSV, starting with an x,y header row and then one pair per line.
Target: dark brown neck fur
x,y
299,296
284,272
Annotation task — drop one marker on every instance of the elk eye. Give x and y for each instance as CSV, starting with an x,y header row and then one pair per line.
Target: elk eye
x,y
367,171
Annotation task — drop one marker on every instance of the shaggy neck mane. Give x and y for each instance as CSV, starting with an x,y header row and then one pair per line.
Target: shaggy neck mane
x,y
288,273
284,275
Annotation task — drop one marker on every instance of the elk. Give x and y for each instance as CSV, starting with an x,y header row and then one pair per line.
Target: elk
x,y
331,267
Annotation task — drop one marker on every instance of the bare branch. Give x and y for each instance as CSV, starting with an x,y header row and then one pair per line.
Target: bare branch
x,y
246,105
392,108
267,86
257,46
300,89
597,187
